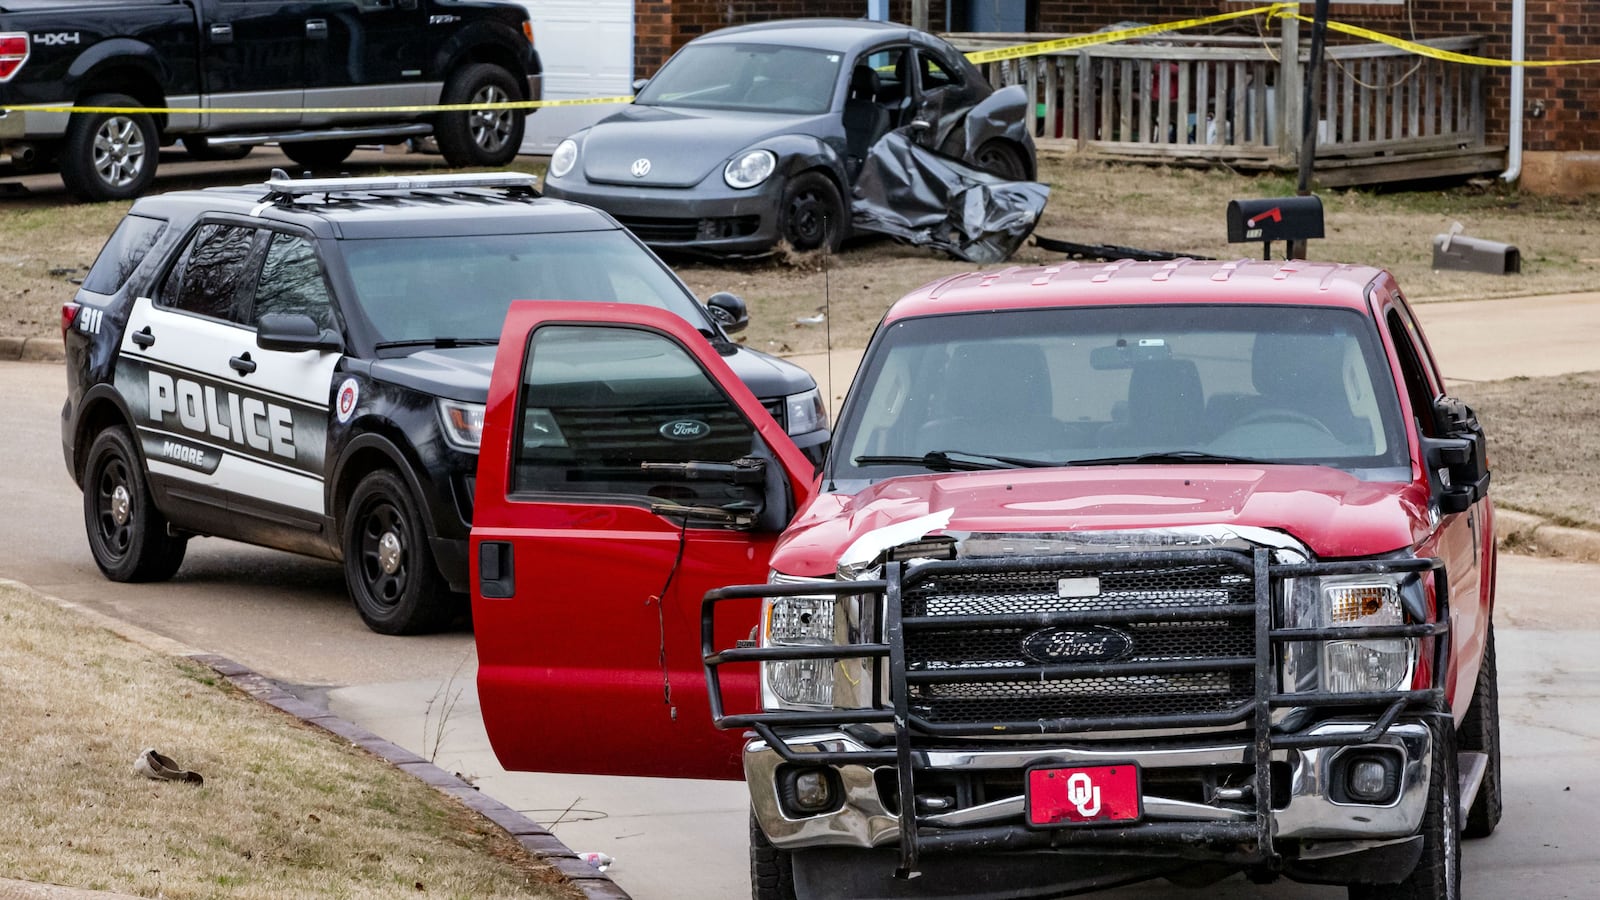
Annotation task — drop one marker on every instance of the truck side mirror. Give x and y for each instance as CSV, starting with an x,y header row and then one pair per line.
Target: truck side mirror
x,y
1458,463
729,311
294,332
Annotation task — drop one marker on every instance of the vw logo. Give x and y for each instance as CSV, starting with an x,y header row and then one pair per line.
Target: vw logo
x,y
685,430
1091,643
640,167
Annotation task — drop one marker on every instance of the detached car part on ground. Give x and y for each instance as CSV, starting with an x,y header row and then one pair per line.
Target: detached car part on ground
x,y
759,134
1113,572
303,365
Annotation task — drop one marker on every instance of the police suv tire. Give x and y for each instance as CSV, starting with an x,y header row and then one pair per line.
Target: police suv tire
x,y
318,154
1438,873
388,568
480,137
205,151
109,156
771,869
811,216
1480,733
127,534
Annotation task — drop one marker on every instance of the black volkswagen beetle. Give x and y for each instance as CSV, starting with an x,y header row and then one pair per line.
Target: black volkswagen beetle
x,y
756,134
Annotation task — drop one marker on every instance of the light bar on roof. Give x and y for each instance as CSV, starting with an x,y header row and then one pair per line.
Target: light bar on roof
x,y
296,187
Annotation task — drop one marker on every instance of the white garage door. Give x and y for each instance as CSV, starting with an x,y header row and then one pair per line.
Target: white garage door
x,y
587,51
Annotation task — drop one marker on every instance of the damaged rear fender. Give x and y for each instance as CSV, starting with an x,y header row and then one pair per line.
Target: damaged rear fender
x,y
1004,114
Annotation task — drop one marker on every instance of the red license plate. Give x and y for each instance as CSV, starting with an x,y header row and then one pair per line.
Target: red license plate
x,y
1079,795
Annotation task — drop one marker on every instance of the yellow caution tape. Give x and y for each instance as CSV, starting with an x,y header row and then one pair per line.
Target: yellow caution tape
x,y
252,110
1109,37
1434,52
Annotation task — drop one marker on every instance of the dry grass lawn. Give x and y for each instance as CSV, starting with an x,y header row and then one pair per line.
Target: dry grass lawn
x,y
286,809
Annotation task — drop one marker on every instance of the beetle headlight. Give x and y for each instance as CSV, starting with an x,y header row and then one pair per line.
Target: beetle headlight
x,y
1348,666
746,170
565,157
822,621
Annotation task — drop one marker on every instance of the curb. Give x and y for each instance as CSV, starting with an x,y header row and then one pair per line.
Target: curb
x,y
535,839
31,349
1520,532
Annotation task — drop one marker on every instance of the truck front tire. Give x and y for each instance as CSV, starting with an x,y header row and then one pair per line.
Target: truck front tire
x,y
1480,733
319,154
1438,873
480,137
771,869
109,156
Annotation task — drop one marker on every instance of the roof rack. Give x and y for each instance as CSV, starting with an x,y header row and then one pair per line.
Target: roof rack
x,y
284,187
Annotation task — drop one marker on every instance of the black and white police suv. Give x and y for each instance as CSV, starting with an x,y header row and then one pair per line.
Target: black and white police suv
x,y
304,365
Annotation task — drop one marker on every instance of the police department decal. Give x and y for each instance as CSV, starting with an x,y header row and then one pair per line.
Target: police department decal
x,y
345,401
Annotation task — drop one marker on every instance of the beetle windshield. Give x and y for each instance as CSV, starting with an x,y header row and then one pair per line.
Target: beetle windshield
x,y
752,77
425,288
1155,385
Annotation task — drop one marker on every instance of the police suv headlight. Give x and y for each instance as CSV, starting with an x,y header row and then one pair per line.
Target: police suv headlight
x,y
823,621
1356,665
749,169
804,412
562,161
462,424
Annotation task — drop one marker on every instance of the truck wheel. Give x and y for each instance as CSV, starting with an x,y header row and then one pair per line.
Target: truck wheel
x,y
1438,873
1002,159
387,566
127,534
205,151
1480,733
109,156
811,213
771,871
318,154
480,137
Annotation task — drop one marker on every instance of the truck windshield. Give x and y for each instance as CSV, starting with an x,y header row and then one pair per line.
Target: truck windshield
x,y
1158,385
458,288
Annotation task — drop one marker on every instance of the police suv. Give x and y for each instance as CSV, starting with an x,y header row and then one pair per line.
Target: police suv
x,y
304,365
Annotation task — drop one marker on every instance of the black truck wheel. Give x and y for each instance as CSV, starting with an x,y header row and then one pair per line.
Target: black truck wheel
x,y
1438,873
388,568
109,156
205,151
318,154
1480,733
771,870
480,137
811,215
127,534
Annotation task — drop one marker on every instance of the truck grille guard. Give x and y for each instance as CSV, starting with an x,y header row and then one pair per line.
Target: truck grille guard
x,y
1258,612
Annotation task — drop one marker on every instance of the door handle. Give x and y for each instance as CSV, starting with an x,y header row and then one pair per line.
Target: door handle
x,y
144,338
497,577
242,364
317,29
222,34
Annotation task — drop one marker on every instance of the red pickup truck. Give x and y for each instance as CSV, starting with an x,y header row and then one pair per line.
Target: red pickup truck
x,y
1112,572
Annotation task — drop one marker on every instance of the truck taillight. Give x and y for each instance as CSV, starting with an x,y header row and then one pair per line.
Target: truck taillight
x,y
69,314
13,53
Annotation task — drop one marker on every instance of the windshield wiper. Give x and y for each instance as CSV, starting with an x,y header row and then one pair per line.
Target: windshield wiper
x,y
945,461
443,343
1170,456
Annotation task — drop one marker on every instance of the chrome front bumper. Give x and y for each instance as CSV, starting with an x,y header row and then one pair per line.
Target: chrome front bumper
x,y
864,821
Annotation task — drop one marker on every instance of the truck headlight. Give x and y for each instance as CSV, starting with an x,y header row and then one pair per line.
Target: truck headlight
x,y
1348,666
822,621
563,159
804,412
749,169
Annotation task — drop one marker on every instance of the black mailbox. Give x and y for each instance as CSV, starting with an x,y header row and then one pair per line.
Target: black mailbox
x,y
1274,219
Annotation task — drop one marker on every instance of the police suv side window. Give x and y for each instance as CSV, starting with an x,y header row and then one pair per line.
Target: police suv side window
x,y
212,277
292,281
597,402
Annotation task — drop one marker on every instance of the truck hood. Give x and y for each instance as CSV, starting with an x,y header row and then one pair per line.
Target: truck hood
x,y
1332,512
683,146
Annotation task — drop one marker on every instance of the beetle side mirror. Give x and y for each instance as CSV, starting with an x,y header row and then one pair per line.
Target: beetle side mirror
x,y
294,332
729,311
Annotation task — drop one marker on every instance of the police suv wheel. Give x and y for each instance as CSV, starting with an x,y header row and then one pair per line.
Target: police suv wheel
x,y
1438,873
387,565
109,156
480,137
127,534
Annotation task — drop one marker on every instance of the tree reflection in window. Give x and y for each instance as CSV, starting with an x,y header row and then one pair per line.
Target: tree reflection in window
x,y
291,282
212,276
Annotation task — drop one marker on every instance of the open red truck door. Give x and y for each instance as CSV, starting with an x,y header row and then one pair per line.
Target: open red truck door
x,y
624,471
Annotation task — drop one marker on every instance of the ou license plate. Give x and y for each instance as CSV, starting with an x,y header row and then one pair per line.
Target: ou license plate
x,y
1083,795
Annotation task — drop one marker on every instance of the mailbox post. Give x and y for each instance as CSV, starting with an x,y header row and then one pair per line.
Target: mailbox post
x,y
1274,219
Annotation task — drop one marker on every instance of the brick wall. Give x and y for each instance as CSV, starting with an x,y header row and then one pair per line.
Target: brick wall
x,y
1563,103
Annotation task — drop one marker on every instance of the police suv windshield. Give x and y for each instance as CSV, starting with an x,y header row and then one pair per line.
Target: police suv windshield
x,y
420,289
1135,384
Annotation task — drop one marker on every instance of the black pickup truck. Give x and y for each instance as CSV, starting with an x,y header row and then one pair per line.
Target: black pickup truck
x,y
283,60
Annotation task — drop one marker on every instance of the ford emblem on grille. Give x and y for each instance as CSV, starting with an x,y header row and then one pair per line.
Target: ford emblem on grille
x,y
640,167
1092,643
685,430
